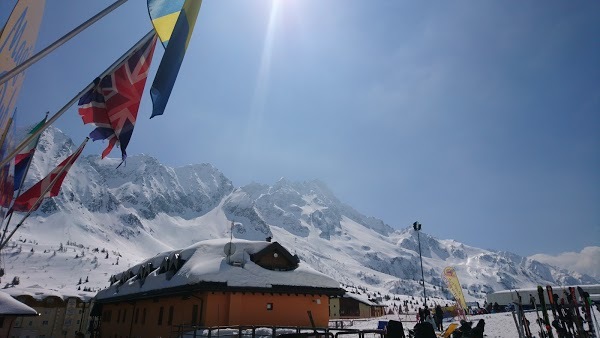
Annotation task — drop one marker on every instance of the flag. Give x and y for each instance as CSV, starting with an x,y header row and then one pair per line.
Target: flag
x,y
7,171
175,35
164,14
453,284
23,158
17,43
49,186
112,104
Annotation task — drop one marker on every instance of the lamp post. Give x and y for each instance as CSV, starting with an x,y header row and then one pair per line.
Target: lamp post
x,y
417,227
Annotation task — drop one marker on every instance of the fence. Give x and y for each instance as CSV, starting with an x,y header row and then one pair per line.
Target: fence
x,y
191,331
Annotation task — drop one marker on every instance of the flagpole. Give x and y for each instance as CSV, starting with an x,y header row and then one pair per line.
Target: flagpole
x,y
42,196
21,67
55,117
20,188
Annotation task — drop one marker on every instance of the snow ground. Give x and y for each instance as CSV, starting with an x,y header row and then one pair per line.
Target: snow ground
x,y
497,325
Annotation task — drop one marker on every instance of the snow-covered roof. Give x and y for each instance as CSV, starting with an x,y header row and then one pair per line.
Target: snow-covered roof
x,y
11,306
361,298
206,262
40,293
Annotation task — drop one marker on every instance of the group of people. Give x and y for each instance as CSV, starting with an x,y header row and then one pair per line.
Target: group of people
x,y
425,316
467,331
427,323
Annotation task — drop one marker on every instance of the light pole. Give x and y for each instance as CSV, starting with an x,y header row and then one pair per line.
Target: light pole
x,y
417,227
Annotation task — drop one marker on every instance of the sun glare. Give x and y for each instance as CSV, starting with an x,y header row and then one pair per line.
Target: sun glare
x,y
262,81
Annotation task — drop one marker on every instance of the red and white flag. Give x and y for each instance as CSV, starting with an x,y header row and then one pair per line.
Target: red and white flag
x,y
50,184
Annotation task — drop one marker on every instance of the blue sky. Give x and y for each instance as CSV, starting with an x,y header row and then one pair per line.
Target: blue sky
x,y
478,119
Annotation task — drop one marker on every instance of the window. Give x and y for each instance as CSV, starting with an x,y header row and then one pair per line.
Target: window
x,y
170,321
269,306
160,315
124,315
45,322
144,316
119,316
1,322
137,314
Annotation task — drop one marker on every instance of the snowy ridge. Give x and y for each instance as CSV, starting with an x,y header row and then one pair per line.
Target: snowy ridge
x,y
106,220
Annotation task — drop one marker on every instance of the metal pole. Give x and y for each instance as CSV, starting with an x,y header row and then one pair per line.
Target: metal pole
x,y
417,227
21,67
55,117
422,275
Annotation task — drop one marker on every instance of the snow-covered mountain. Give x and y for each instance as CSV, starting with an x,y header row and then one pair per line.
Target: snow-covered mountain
x,y
107,219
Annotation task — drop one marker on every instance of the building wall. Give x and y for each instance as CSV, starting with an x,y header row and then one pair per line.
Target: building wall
x,y
278,309
6,323
151,317
58,318
213,309
365,310
346,307
334,308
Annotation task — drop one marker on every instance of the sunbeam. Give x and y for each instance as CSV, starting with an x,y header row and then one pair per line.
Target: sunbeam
x,y
261,89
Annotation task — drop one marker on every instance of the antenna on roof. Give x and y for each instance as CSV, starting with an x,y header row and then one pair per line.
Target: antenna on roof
x,y
230,248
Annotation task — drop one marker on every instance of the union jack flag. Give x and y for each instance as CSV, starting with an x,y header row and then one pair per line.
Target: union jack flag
x,y
28,201
112,105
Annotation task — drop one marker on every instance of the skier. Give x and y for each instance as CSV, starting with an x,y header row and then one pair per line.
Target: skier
x,y
426,312
439,317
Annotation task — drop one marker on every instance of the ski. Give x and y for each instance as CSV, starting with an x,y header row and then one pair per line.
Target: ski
x,y
566,315
539,320
574,312
588,311
545,311
558,320
517,323
524,320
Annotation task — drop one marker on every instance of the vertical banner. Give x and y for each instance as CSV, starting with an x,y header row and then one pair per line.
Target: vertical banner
x,y
453,284
17,42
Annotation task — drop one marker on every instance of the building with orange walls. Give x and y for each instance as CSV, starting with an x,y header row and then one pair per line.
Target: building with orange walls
x,y
214,283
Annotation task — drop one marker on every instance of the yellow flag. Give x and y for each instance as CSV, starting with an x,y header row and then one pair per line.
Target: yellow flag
x,y
453,284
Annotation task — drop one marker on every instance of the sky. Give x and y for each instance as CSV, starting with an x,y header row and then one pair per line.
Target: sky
x,y
477,119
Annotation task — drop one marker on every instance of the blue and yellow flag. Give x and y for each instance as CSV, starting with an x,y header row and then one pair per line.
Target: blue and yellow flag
x,y
173,21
